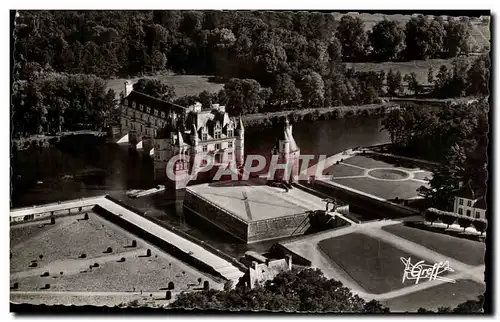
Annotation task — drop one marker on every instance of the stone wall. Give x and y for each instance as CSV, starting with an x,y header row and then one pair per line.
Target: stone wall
x,y
278,227
219,217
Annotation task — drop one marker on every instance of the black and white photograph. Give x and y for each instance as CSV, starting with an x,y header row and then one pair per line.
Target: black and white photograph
x,y
251,161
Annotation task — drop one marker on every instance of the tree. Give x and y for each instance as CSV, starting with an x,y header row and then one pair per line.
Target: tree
x,y
430,75
457,37
291,291
386,39
352,36
243,96
155,88
413,84
431,215
464,222
285,93
312,88
394,83
424,37
480,225
478,76
448,218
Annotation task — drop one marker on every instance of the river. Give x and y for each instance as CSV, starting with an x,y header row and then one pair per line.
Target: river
x,y
43,175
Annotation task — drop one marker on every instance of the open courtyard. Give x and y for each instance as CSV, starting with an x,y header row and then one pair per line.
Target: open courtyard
x,y
80,258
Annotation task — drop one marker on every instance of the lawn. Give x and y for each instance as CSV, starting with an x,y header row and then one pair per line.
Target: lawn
x,y
464,250
342,170
425,175
383,189
367,163
375,265
183,84
447,294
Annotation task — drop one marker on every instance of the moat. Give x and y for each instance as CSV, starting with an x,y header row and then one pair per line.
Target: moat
x,y
91,167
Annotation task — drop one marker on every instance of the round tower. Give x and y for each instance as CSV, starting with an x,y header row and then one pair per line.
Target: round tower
x,y
240,144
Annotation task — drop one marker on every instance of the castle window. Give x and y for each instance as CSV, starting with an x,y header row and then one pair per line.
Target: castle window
x,y
140,107
230,144
204,136
468,213
217,146
460,201
460,211
230,133
148,109
469,203
217,135
204,148
156,112
477,214
230,156
133,104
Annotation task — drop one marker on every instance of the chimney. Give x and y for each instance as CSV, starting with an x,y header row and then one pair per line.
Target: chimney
x,y
129,87
289,261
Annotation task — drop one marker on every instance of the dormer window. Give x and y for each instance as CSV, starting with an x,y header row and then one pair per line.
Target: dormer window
x,y
460,201
230,144
204,136
230,133
163,114
140,107
133,105
469,203
217,134
156,112
148,109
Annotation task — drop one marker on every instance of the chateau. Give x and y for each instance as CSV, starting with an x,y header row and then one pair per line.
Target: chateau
x,y
165,130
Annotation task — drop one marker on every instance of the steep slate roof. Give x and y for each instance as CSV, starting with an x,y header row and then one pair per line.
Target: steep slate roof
x,y
153,102
481,204
466,192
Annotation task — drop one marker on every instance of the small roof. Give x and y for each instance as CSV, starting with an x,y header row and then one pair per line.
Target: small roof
x,y
481,204
466,192
287,135
263,272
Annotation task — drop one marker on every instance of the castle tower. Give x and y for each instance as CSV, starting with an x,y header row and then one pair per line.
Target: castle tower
x,y
177,181
240,144
129,87
288,153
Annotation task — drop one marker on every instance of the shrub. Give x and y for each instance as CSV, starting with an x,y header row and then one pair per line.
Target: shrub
x,y
206,285
109,250
47,286
448,218
480,224
86,216
33,264
134,243
171,285
40,256
45,274
96,264
148,252
228,286
122,260
52,221
16,285
199,280
168,295
83,255
61,273
431,215
464,222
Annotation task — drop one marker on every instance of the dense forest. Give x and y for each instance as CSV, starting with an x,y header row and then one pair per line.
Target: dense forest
x,y
454,136
269,61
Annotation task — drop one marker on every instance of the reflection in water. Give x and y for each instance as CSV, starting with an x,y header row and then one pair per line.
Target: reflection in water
x,y
88,168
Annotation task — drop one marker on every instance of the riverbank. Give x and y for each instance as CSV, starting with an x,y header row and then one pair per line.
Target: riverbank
x,y
42,140
315,114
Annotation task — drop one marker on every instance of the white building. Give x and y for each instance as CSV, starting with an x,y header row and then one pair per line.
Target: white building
x,y
467,203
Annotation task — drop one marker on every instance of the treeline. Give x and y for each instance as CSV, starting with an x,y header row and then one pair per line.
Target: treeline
x,y
241,44
45,101
449,218
454,136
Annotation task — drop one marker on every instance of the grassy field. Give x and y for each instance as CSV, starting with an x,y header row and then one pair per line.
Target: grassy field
x,y
447,294
183,84
383,189
467,251
376,265
342,170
